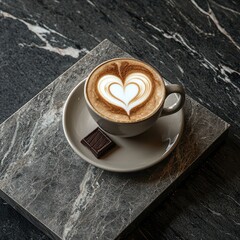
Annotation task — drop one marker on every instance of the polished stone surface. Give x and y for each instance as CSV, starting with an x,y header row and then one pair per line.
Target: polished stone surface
x,y
194,42
61,193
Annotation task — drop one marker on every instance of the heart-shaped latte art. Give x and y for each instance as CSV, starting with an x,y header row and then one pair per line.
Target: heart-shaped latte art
x,y
133,92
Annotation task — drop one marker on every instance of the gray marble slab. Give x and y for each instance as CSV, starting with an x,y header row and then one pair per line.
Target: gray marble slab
x,y
67,198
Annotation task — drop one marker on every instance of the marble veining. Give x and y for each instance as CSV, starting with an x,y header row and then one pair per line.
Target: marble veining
x,y
199,36
221,70
214,19
26,70
70,198
43,34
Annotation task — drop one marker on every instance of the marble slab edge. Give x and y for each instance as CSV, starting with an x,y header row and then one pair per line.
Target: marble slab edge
x,y
29,216
133,225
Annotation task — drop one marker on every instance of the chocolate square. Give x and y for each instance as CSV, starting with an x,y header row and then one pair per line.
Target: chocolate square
x,y
98,142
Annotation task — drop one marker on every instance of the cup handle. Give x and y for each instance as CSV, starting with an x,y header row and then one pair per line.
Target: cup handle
x,y
174,88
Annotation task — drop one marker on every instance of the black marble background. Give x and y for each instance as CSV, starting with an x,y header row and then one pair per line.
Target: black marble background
x,y
196,43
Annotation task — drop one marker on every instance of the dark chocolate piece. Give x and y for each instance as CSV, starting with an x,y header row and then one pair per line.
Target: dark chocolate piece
x,y
98,142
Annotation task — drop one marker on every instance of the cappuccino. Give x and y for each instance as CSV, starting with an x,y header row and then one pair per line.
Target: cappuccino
x,y
125,90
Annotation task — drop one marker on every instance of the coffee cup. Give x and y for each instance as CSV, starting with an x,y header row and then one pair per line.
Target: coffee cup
x,y
126,96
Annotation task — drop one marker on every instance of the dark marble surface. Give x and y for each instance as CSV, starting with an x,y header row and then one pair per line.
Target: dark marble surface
x,y
193,42
60,193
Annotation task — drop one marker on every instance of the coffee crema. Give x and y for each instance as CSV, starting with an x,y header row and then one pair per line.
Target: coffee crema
x,y
125,90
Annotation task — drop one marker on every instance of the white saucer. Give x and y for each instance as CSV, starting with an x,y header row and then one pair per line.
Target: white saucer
x,y
132,154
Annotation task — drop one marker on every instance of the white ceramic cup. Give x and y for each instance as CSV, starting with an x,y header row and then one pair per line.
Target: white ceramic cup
x,y
135,128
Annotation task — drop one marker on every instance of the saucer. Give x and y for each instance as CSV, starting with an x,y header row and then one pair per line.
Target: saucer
x,y
131,154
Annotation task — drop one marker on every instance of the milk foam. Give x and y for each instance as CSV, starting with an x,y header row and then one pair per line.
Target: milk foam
x,y
127,94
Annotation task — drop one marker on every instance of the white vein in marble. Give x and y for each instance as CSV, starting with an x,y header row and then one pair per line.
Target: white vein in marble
x,y
91,3
41,32
220,70
225,8
214,19
86,193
